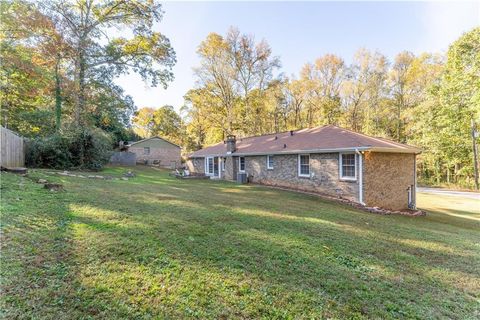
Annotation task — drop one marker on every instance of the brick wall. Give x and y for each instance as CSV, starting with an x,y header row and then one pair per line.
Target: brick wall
x,y
196,165
323,168
165,155
386,178
230,172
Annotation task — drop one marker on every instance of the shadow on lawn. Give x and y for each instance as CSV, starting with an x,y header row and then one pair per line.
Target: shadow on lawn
x,y
282,247
227,203
300,255
37,269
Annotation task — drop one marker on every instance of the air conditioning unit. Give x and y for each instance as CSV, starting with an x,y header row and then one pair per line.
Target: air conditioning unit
x,y
241,177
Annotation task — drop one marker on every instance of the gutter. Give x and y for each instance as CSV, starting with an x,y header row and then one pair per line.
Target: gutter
x,y
360,176
414,183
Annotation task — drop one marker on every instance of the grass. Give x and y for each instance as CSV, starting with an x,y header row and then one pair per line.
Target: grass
x,y
159,247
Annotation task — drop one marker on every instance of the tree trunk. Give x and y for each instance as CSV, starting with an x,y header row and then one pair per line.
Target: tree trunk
x,y
310,117
399,120
455,173
475,157
58,97
275,122
80,103
81,92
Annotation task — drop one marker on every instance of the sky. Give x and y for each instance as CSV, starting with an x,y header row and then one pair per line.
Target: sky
x,y
300,32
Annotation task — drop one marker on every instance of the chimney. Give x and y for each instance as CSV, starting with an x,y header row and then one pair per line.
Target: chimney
x,y
122,145
291,132
231,144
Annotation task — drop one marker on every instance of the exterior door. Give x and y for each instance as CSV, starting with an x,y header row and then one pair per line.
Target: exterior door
x,y
212,166
209,166
216,166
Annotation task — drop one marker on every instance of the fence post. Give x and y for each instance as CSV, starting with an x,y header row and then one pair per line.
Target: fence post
x,y
12,149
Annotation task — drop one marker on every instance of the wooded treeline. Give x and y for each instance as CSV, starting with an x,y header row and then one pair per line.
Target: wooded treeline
x,y
60,60
427,100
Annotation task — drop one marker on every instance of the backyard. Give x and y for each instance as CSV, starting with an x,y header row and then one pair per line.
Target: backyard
x,y
159,247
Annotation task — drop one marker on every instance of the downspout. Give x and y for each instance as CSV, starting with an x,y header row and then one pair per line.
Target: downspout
x,y
414,191
360,177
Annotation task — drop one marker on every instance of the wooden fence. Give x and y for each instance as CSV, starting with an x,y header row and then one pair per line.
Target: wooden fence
x,y
13,152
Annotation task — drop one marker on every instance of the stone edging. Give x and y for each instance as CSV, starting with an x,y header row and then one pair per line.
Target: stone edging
x,y
376,210
68,174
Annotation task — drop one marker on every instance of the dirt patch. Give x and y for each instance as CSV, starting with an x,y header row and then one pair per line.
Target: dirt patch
x,y
53,186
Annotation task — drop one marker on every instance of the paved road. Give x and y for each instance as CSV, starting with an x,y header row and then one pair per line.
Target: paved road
x,y
465,194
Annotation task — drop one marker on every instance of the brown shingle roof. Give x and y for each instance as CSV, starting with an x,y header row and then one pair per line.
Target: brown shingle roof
x,y
320,139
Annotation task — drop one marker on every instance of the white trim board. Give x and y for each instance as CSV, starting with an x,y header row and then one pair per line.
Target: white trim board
x,y
268,162
340,167
309,166
244,165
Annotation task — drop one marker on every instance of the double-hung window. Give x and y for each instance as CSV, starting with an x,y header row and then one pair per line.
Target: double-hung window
x,y
348,166
269,162
146,150
304,165
241,164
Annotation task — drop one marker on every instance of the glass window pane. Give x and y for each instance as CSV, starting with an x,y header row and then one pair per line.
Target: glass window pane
x,y
348,171
270,161
348,159
210,165
304,164
304,169
304,159
348,165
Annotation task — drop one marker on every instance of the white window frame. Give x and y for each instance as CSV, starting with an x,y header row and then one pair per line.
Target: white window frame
x,y
340,165
309,166
240,164
145,149
222,163
269,157
207,172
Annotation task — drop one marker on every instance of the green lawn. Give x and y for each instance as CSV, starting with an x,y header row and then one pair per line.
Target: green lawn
x,y
159,247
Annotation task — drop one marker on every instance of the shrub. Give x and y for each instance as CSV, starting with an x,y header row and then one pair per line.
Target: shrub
x,y
82,149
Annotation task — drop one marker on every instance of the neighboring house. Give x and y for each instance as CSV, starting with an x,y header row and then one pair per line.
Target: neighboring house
x,y
156,151
330,160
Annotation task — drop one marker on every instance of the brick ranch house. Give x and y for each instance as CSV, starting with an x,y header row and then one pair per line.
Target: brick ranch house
x,y
372,171
156,151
